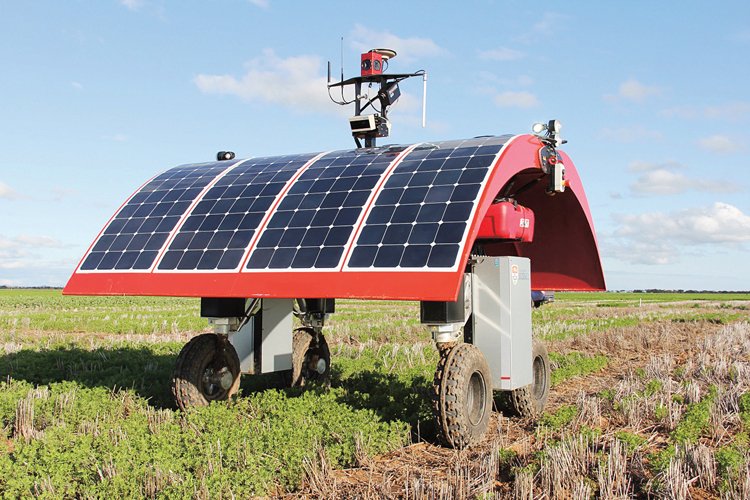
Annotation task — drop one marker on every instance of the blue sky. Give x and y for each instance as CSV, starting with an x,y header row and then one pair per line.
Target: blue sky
x,y
96,97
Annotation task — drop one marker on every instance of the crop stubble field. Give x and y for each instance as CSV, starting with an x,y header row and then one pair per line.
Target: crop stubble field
x,y
651,395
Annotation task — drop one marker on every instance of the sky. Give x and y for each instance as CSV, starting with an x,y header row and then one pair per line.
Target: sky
x,y
96,97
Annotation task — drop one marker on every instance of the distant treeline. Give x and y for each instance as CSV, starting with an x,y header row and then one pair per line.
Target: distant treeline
x,y
660,290
5,287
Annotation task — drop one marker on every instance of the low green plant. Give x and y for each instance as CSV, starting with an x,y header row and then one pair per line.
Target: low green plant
x,y
631,440
695,420
506,455
575,364
653,387
608,395
744,404
560,418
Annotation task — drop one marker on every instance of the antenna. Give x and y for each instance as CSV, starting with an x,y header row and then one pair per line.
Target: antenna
x,y
373,64
424,100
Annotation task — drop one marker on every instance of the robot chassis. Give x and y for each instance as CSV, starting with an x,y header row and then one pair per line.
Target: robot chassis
x,y
484,340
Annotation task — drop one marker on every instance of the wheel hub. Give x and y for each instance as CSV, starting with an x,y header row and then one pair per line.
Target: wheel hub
x,y
217,380
475,398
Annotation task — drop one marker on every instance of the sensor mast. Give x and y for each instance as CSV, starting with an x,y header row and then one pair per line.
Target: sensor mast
x,y
371,126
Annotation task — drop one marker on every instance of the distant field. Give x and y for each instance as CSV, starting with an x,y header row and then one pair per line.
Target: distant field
x,y
651,396
629,297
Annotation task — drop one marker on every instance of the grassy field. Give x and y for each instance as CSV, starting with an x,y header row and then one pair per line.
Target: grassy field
x,y
651,395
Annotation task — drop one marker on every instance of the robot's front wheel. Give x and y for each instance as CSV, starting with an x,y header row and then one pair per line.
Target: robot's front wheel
x,y
207,369
462,399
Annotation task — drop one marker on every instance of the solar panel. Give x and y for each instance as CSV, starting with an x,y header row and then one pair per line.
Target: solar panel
x,y
420,218
304,212
316,218
135,235
219,229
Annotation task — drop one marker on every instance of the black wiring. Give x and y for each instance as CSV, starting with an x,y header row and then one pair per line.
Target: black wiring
x,y
248,313
343,102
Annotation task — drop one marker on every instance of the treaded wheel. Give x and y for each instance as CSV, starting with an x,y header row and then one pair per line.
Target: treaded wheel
x,y
207,369
462,398
311,358
529,401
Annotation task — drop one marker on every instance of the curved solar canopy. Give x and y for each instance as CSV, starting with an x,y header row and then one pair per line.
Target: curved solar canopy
x,y
391,222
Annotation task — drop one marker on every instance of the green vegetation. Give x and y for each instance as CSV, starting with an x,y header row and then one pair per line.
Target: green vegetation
x,y
695,420
96,442
559,419
566,366
631,440
23,311
85,409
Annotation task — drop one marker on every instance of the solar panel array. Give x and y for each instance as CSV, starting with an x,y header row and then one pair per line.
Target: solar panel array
x,y
316,218
252,211
134,237
421,216
219,229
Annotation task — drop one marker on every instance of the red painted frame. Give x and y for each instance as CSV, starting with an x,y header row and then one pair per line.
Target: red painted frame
x,y
519,155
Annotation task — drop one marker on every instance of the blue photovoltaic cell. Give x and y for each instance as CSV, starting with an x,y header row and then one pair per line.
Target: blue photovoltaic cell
x,y
316,218
420,217
219,229
133,238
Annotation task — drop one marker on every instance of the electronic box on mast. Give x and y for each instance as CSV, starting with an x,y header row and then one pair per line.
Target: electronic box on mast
x,y
371,126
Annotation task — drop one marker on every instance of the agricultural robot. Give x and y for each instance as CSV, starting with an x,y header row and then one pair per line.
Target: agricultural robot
x,y
467,227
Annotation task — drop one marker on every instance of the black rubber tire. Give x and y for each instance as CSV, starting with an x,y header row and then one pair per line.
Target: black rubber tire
x,y
308,347
529,401
462,398
202,357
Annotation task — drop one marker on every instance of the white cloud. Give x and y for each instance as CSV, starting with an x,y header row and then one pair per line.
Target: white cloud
x,y
644,166
132,4
634,91
501,54
408,49
638,252
7,193
20,251
719,144
733,111
660,182
263,4
38,241
636,133
660,238
666,179
295,82
718,223
519,99
76,85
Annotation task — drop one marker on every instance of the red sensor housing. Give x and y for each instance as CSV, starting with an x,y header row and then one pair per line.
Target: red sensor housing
x,y
372,64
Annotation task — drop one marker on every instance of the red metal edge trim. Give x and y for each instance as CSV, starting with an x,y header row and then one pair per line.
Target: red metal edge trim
x,y
370,285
